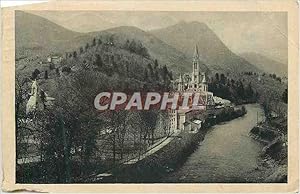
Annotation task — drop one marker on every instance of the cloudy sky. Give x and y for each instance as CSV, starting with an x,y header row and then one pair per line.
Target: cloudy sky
x,y
260,32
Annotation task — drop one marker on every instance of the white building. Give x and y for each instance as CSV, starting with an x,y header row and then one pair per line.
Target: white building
x,y
54,59
194,82
38,99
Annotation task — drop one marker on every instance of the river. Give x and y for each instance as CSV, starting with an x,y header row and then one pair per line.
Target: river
x,y
227,154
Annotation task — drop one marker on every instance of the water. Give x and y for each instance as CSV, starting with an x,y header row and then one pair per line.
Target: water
x,y
227,154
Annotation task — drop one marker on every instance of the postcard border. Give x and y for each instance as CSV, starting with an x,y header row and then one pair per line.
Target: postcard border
x,y
8,85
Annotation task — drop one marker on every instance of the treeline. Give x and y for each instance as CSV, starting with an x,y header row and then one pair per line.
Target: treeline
x,y
284,95
106,54
106,59
271,75
233,90
136,47
158,77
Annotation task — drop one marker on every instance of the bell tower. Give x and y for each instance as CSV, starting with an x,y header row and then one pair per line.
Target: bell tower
x,y
180,84
196,69
203,84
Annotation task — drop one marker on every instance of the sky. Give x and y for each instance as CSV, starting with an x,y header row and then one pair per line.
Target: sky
x,y
260,32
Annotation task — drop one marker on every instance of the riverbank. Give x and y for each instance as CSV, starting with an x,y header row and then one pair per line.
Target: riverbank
x,y
154,167
272,134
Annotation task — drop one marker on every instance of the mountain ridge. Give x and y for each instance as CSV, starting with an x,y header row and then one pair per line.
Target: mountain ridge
x,y
217,55
157,48
265,63
37,37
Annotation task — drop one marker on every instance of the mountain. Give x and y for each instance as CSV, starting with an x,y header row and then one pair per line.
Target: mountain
x,y
34,31
79,21
91,21
37,37
185,35
164,53
266,64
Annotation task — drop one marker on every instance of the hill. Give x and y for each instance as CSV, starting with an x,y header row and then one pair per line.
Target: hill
x,y
36,32
266,64
164,53
79,21
183,36
36,38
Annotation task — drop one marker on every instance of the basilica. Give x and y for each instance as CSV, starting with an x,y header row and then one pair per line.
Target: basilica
x,y
195,81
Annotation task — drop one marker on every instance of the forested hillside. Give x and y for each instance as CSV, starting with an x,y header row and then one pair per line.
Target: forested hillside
x,y
72,122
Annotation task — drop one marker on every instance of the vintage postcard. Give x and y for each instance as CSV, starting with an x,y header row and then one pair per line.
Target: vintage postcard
x,y
140,96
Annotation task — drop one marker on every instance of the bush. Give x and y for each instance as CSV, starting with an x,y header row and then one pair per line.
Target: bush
x,y
66,69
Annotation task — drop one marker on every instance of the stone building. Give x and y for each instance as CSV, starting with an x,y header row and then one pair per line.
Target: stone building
x,y
194,82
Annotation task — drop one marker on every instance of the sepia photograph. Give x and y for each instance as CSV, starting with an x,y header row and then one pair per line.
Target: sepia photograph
x,y
236,61
128,98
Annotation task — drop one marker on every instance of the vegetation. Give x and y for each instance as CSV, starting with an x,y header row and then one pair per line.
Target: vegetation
x,y
70,136
233,90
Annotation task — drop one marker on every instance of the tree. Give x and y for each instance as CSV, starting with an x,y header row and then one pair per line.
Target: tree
x,y
111,40
249,91
126,45
151,72
155,64
46,74
149,118
165,73
51,66
132,46
57,71
94,42
240,90
99,41
81,50
285,96
232,83
146,77
217,77
66,69
35,74
75,54
98,62
170,75
87,46
223,79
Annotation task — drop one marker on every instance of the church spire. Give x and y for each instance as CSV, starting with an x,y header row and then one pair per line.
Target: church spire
x,y
180,78
203,78
196,53
180,84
